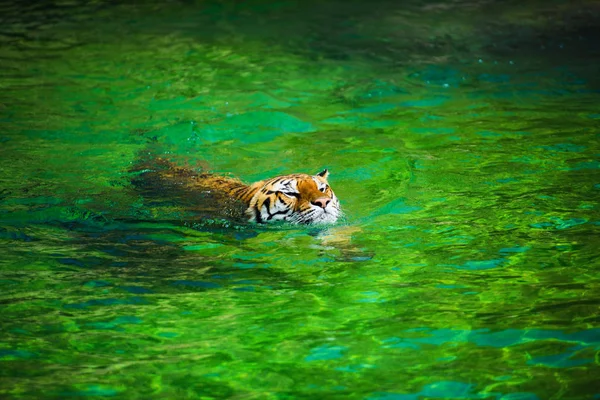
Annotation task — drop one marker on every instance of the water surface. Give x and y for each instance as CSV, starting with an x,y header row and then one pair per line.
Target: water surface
x,y
462,139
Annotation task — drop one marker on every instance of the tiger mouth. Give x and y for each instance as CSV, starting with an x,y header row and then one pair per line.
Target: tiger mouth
x,y
318,216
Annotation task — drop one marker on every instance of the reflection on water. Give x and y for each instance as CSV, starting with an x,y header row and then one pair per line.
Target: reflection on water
x,y
462,139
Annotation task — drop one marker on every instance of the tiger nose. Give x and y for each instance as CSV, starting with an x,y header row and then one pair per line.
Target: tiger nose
x,y
321,202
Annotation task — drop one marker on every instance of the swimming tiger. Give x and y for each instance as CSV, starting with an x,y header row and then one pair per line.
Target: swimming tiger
x,y
295,198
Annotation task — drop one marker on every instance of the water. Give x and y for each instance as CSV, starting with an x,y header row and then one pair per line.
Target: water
x,y
462,139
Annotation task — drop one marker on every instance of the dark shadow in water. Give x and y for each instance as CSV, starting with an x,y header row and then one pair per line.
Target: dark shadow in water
x,y
376,31
130,252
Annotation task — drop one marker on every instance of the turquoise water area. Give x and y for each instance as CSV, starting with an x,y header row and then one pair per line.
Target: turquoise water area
x,y
463,141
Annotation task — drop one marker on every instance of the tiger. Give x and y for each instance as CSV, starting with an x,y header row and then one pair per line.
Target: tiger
x,y
294,198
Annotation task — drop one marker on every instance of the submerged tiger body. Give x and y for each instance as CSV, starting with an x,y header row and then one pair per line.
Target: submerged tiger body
x,y
295,198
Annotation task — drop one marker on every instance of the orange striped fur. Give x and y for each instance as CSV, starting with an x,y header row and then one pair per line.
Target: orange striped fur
x,y
295,198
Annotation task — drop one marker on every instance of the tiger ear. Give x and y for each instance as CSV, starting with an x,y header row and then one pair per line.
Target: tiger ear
x,y
323,174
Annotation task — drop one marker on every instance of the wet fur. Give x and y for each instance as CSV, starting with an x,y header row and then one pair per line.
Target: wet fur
x,y
285,197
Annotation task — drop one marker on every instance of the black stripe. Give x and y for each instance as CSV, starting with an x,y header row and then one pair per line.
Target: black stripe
x,y
278,213
267,203
238,191
293,194
257,215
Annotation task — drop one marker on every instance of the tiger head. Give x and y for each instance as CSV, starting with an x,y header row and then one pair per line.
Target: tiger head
x,y
297,198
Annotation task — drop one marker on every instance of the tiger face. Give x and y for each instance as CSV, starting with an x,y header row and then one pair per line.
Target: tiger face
x,y
298,199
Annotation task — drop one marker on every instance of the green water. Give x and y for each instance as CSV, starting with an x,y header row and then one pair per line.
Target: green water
x,y
463,141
